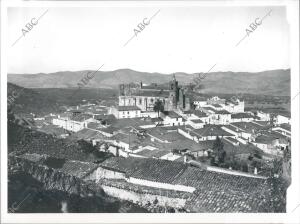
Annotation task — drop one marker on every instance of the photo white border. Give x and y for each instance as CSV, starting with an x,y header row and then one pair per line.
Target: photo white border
x,y
293,198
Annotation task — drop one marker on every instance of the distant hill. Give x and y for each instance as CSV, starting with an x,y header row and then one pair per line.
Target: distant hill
x,y
25,101
40,101
275,82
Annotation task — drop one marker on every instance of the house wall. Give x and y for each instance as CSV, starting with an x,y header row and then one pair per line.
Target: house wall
x,y
145,103
69,125
168,121
101,173
143,198
200,103
230,131
151,114
195,125
219,119
242,119
129,114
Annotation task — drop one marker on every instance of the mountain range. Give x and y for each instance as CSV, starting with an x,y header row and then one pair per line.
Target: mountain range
x,y
272,82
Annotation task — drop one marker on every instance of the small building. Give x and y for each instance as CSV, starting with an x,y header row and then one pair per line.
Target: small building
x,y
271,143
283,119
263,116
73,123
235,106
195,123
172,119
126,112
242,117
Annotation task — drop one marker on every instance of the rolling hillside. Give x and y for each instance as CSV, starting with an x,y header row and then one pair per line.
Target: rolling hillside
x,y
275,82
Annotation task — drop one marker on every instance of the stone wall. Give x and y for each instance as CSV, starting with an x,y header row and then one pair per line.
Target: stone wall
x,y
143,198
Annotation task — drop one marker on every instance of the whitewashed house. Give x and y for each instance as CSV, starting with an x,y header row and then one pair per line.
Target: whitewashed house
x,y
73,123
172,119
283,119
125,112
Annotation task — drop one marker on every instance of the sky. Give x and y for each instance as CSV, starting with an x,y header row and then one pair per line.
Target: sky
x,y
177,39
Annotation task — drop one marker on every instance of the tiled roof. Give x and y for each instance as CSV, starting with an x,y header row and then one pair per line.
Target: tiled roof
x,y
164,134
156,119
197,121
248,126
222,112
241,115
215,192
285,126
88,134
217,105
135,122
77,168
81,117
149,169
212,130
172,114
152,153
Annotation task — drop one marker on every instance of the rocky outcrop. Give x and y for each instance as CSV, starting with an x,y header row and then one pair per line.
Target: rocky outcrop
x,y
53,179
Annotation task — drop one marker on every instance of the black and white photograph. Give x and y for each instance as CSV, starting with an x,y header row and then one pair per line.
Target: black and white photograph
x,y
184,108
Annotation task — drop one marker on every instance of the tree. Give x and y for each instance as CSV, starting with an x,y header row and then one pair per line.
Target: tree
x,y
218,148
158,107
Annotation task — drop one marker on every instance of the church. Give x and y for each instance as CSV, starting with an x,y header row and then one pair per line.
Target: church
x,y
144,96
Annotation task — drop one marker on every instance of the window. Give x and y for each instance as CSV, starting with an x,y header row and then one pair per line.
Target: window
x,y
152,100
127,112
123,112
140,101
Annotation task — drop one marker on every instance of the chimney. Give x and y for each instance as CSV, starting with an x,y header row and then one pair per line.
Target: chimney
x,y
184,158
255,170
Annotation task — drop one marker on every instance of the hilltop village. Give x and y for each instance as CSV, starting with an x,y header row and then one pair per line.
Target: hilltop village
x,y
200,154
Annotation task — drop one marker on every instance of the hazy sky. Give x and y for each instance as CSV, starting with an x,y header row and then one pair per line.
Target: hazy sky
x,y
178,39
